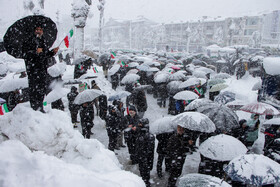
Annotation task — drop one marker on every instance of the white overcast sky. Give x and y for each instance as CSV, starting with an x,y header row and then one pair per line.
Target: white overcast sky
x,y
158,10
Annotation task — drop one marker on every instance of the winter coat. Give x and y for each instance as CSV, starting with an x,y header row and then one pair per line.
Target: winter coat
x,y
140,101
162,91
58,104
103,106
162,142
113,124
71,97
252,133
87,114
134,121
145,145
79,70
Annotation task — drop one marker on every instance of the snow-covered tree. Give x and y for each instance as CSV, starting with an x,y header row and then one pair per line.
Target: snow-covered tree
x,y
79,12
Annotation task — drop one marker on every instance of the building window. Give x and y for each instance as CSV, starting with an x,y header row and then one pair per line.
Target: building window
x,y
249,32
252,21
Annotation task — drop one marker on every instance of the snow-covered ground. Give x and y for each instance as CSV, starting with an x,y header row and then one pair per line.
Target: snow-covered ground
x,y
44,150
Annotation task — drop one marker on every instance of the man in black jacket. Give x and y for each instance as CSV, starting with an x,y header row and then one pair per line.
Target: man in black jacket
x,y
178,146
36,54
74,108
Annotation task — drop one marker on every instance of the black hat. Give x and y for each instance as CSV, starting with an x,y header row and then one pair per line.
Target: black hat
x,y
131,107
144,121
73,88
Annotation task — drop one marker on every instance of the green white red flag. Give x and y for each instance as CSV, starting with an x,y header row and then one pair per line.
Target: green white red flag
x,y
3,109
68,37
95,70
113,55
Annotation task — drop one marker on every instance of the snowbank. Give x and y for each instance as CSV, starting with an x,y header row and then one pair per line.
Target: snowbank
x,y
44,136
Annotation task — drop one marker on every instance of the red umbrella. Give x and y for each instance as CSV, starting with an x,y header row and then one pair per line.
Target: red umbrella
x,y
175,67
260,108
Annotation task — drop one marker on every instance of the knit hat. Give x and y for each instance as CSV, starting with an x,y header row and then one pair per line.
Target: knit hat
x,y
131,107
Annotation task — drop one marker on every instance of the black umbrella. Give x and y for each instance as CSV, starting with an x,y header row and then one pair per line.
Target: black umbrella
x,y
22,29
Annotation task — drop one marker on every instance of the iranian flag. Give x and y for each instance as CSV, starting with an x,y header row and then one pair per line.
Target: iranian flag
x,y
68,37
95,70
113,55
3,109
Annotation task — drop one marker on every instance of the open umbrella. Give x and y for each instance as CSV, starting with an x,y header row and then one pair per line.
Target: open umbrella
x,y
13,84
222,147
201,180
132,71
222,76
57,69
197,103
257,86
130,78
114,69
87,96
218,87
173,87
190,82
133,64
56,94
260,108
273,121
224,118
22,29
194,121
254,169
2,100
119,95
179,75
185,95
80,59
224,97
213,81
161,77
162,125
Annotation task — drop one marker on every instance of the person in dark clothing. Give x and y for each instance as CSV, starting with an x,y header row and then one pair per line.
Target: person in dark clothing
x,y
162,153
13,99
163,94
240,132
113,127
115,81
58,104
35,54
120,111
131,122
178,146
87,116
79,70
140,101
272,142
145,145
180,107
73,108
103,106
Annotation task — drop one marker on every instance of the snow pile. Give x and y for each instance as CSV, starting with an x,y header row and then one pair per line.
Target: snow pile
x,y
52,134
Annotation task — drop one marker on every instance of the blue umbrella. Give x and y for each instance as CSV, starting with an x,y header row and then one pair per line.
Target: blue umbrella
x,y
119,95
225,97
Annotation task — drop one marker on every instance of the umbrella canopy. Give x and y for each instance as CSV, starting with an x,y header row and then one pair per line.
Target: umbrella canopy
x,y
218,87
197,103
119,95
143,67
130,78
57,69
56,94
133,64
254,169
257,86
205,69
225,97
175,67
185,95
162,125
194,121
201,180
173,87
274,121
13,84
213,81
3,69
161,77
260,108
224,118
20,32
190,82
222,147
114,69
80,59
132,71
87,96
153,69
179,75
222,76
2,100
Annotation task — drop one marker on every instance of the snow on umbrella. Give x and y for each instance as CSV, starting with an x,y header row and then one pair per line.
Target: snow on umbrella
x,y
57,69
173,87
3,69
271,65
260,108
195,179
199,74
56,94
222,76
119,95
114,69
162,125
257,86
20,32
213,81
80,59
222,147
204,69
130,78
87,96
225,97
185,95
13,84
132,71
161,77
273,121
133,64
253,169
153,69
218,87
198,62
175,67
179,75
224,118
2,100
143,67
197,103
190,82
194,121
